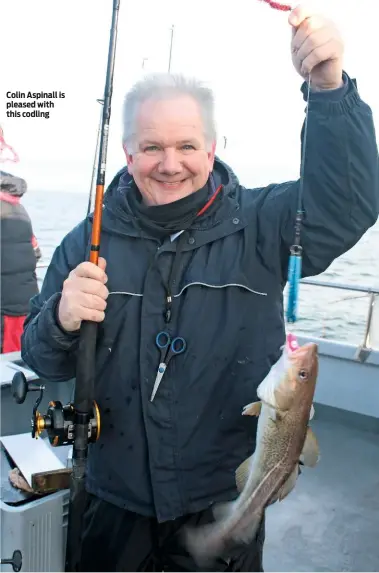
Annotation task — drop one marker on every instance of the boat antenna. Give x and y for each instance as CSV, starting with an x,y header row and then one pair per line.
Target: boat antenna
x,y
170,54
85,370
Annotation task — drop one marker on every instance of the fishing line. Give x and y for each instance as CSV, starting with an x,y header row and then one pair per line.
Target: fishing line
x,y
296,250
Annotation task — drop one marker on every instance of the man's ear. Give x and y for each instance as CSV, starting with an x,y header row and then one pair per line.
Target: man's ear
x,y
211,155
128,157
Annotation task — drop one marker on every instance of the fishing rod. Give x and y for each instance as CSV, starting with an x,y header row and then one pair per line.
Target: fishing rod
x,y
95,159
85,409
77,423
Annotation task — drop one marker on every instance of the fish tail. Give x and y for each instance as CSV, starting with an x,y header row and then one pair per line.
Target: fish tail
x,y
203,543
210,541
245,532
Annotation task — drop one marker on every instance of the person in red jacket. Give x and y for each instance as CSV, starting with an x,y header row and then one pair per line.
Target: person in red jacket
x,y
19,254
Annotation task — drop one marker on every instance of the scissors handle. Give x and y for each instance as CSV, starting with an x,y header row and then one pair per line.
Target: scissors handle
x,y
178,345
162,340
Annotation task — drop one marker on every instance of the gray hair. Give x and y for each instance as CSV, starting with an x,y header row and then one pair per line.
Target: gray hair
x,y
166,86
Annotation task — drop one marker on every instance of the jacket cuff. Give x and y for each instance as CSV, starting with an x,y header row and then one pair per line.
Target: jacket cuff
x,y
49,329
333,102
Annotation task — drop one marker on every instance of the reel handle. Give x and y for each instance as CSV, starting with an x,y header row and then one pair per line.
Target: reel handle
x,y
20,387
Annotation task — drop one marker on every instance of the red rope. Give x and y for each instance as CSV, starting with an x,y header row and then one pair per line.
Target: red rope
x,y
278,6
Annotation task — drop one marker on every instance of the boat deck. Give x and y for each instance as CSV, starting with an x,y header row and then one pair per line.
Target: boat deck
x,y
330,522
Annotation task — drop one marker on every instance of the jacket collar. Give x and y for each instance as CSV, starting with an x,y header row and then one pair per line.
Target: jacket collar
x,y
119,219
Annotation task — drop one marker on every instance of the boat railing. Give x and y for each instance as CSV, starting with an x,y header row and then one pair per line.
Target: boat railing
x,y
342,286
371,327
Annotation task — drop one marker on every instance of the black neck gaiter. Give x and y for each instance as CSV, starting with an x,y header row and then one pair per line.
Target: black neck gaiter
x,y
164,220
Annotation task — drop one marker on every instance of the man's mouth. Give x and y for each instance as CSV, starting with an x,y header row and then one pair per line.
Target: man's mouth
x,y
172,184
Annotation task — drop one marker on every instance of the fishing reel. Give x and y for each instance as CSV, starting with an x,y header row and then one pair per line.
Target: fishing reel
x,y
59,420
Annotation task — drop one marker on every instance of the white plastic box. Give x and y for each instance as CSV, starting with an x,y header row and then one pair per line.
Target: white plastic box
x,y
38,529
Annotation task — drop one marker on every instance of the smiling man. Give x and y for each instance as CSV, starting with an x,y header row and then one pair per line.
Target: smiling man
x,y
169,143
189,253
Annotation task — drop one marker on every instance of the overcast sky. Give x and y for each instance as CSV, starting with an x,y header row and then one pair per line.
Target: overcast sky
x,y
240,48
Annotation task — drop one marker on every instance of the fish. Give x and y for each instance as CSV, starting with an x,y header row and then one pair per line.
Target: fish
x,y
284,440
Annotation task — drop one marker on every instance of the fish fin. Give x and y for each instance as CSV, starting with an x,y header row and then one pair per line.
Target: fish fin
x,y
222,510
277,415
253,409
289,484
312,412
242,473
311,452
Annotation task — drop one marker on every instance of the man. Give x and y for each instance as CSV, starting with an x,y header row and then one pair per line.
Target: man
x,y
19,255
160,464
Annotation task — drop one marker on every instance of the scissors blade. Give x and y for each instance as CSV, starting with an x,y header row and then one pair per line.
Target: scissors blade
x,y
161,370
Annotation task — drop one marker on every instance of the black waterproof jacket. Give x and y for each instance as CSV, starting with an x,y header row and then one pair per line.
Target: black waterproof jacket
x,y
18,254
178,454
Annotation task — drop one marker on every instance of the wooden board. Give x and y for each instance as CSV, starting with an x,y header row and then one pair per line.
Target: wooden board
x,y
30,455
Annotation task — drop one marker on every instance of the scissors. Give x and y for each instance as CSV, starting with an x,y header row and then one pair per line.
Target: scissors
x,y
168,349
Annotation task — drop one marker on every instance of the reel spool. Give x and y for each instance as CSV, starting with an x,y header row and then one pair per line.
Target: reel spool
x,y
58,422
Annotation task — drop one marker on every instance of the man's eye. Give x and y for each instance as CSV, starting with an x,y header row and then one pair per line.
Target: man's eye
x,y
187,147
151,148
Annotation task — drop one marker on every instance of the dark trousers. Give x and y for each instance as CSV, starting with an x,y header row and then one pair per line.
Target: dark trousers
x,y
115,539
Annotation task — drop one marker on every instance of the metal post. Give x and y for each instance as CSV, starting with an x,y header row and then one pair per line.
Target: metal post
x,y
364,351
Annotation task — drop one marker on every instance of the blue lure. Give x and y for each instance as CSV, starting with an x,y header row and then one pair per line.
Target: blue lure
x,y
296,251
294,276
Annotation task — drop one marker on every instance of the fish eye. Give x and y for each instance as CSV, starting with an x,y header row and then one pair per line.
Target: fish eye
x,y
303,375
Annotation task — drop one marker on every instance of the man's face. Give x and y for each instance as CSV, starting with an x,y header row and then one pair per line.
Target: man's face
x,y
170,158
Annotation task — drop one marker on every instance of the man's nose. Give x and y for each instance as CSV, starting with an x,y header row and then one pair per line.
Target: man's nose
x,y
170,162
